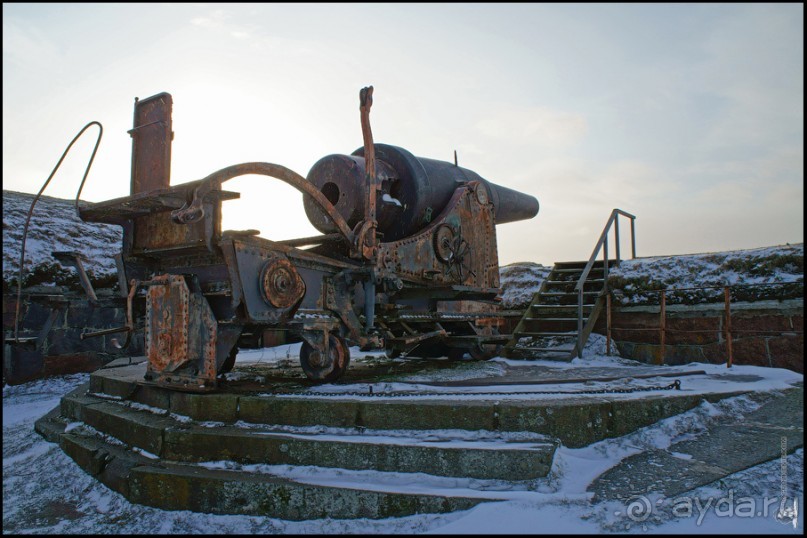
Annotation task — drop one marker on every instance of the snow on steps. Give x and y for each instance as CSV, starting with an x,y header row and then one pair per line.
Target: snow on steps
x,y
265,470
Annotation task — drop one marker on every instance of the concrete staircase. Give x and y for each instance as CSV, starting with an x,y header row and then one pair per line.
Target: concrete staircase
x,y
293,458
292,454
549,327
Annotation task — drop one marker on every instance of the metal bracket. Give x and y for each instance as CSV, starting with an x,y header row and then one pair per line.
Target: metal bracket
x,y
73,259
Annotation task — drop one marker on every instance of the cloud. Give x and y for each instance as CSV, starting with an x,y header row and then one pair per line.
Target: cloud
x,y
535,125
572,182
219,20
214,19
25,46
741,179
754,60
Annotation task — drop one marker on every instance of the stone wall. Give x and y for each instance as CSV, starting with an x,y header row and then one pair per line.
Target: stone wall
x,y
53,321
764,333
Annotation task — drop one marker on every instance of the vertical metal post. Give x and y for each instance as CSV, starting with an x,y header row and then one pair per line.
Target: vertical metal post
x,y
369,301
368,242
605,259
124,288
580,322
366,239
608,324
730,359
151,143
632,238
616,235
663,326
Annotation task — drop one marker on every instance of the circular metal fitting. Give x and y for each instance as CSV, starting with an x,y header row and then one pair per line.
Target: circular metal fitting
x,y
481,193
281,284
444,243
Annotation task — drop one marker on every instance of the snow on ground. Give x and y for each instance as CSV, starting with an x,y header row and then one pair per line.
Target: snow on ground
x,y
44,491
755,268
784,263
766,269
519,282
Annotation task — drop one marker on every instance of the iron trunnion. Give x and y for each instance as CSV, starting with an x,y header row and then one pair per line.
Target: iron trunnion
x,y
407,261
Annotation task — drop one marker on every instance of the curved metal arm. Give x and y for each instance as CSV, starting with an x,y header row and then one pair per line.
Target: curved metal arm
x,y
278,172
36,198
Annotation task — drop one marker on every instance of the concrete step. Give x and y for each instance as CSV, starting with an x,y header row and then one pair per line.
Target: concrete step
x,y
610,416
292,451
563,308
589,281
252,490
542,334
440,453
558,320
565,294
580,265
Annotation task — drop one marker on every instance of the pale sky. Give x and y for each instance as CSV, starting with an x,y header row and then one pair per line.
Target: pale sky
x,y
689,116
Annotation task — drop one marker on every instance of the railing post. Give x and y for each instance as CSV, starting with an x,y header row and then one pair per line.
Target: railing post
x,y
632,238
580,322
602,242
663,326
608,324
730,359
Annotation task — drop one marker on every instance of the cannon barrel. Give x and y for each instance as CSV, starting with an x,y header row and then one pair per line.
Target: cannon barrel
x,y
414,190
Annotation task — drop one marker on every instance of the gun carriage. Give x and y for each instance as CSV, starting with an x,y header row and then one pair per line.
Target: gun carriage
x,y
407,261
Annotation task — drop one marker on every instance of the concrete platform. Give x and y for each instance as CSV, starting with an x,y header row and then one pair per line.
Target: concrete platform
x,y
730,447
261,444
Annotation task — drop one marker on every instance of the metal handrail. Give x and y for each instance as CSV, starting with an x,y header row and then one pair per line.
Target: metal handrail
x,y
602,243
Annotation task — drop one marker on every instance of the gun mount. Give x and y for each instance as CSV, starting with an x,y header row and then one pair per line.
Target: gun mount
x,y
407,261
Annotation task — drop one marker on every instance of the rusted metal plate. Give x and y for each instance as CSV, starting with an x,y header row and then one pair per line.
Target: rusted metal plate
x,y
151,143
158,231
167,323
203,337
181,334
458,247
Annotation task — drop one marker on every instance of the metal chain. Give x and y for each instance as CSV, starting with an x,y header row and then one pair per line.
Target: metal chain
x,y
675,385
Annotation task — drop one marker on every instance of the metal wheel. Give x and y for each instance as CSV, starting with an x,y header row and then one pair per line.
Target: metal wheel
x,y
454,251
461,262
444,242
483,352
456,354
318,367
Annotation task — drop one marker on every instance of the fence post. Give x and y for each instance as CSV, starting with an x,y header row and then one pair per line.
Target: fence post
x,y
730,359
662,326
608,324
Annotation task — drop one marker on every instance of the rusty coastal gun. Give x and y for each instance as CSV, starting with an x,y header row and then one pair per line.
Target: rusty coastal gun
x,y
407,261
